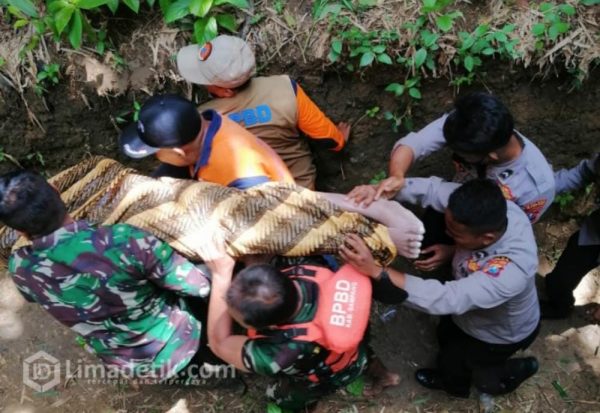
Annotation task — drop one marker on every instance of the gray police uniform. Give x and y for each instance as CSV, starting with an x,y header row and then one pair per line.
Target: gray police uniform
x,y
493,297
528,180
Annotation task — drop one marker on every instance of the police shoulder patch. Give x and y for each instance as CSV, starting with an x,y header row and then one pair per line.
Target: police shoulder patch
x,y
533,209
495,265
506,191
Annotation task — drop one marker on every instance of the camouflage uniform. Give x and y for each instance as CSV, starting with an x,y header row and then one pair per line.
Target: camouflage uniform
x,y
121,289
292,361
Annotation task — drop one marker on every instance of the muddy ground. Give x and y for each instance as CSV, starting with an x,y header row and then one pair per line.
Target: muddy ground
x,y
77,122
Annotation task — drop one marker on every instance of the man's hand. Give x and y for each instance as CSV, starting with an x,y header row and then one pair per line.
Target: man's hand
x,y
344,128
362,195
442,253
221,267
356,253
389,187
365,195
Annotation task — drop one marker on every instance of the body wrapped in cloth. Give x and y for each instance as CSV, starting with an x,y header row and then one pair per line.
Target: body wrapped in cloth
x,y
201,219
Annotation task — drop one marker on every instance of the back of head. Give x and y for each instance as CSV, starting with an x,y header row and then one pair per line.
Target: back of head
x,y
479,124
262,296
30,204
165,121
480,206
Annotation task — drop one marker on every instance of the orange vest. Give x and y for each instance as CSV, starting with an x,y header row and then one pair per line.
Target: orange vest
x,y
276,109
339,325
232,156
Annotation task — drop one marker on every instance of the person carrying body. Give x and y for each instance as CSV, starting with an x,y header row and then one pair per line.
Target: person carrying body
x,y
274,108
134,302
306,326
490,310
480,131
204,146
582,253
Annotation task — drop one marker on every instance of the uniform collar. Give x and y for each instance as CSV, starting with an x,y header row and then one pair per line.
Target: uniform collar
x,y
53,238
215,124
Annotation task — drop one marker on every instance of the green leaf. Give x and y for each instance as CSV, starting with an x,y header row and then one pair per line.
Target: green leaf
x,y
273,408
20,23
538,29
62,18
488,51
321,9
501,37
411,82
91,4
211,30
150,3
113,5
562,27
444,22
177,10
469,63
240,4
205,29
590,2
429,38
356,387
133,4
227,21
25,6
414,93
199,26
378,49
567,9
336,46
200,8
164,6
481,29
366,59
553,32
76,31
508,28
544,7
428,6
333,56
396,88
385,59
420,57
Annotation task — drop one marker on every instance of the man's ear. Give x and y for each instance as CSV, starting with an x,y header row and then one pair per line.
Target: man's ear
x,y
489,238
493,156
227,93
179,151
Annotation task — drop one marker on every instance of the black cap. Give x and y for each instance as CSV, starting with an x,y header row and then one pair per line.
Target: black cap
x,y
165,121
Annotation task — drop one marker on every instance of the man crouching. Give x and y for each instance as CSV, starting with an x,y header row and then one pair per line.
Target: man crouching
x,y
135,303
306,325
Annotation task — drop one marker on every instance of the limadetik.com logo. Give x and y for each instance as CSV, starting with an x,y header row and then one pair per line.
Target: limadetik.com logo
x,y
41,371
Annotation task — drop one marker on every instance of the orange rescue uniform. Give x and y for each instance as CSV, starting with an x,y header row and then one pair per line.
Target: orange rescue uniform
x,y
232,156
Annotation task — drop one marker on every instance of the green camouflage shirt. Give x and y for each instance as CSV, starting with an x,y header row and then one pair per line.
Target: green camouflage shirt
x,y
121,289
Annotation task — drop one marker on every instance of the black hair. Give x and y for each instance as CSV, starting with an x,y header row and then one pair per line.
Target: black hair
x,y
480,206
28,203
479,124
263,296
